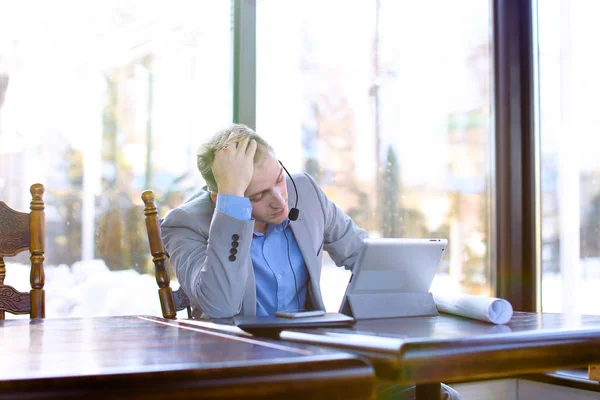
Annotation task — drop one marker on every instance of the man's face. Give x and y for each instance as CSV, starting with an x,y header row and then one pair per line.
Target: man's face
x,y
268,193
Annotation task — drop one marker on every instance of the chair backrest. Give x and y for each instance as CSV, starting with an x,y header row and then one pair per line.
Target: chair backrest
x,y
19,232
170,301
594,372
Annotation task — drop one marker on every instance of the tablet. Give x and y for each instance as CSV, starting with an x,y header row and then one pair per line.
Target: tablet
x,y
395,266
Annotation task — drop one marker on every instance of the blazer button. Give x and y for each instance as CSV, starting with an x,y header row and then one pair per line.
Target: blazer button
x,y
235,237
234,244
232,258
233,251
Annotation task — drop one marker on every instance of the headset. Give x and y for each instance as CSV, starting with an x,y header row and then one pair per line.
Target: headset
x,y
294,212
293,216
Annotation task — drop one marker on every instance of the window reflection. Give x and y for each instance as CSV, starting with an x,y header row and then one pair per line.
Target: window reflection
x,y
104,101
570,171
388,108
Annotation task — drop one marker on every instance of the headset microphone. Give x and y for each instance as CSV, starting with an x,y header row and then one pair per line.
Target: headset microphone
x,y
294,212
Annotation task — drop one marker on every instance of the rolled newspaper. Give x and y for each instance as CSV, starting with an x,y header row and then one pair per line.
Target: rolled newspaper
x,y
484,308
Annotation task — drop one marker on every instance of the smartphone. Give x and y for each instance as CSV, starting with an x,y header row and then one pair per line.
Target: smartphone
x,y
300,314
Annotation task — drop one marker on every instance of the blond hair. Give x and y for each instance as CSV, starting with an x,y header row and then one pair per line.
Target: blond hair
x,y
205,156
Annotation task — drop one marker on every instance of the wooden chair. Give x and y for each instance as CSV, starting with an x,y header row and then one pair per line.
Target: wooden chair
x,y
18,232
594,372
170,301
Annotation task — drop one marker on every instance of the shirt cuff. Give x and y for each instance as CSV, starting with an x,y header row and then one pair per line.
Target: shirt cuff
x,y
235,206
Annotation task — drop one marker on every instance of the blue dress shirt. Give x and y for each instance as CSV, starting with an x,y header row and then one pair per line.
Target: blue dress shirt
x,y
281,282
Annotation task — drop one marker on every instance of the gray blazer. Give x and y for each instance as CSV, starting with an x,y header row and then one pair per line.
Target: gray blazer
x,y
199,240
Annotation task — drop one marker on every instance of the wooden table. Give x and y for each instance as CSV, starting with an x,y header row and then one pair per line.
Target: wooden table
x,y
148,357
428,350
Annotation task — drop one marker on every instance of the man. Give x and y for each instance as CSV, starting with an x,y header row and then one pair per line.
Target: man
x,y
229,244
233,247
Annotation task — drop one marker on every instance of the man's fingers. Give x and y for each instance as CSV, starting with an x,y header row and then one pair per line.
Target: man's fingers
x,y
243,144
251,149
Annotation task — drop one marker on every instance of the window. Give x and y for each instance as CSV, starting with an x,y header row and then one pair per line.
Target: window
x,y
103,101
389,109
570,166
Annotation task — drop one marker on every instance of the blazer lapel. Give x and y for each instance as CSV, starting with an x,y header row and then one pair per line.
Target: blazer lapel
x,y
302,235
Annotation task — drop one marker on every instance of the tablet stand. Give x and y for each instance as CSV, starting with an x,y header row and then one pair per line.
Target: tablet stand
x,y
389,305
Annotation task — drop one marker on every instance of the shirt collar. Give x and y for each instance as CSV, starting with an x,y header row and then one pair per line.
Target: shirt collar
x,y
275,228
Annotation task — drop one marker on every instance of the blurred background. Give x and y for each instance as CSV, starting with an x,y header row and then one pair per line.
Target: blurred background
x,y
387,104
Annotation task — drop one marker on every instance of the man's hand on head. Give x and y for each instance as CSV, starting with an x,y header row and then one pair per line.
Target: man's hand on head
x,y
233,166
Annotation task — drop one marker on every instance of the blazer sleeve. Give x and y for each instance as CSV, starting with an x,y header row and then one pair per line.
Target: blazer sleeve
x,y
212,265
342,238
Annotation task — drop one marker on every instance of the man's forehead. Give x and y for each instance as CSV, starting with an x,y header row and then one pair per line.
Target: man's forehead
x,y
267,164
264,177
